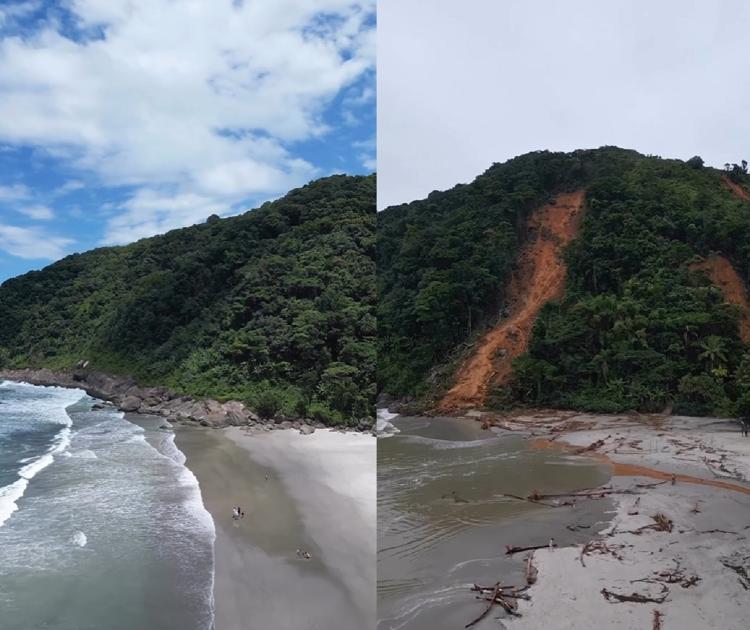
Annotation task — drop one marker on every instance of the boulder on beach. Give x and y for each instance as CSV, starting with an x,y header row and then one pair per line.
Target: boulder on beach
x,y
130,403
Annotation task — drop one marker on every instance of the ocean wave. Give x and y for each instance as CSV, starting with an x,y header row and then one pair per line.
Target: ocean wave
x,y
384,414
8,496
29,471
50,408
383,425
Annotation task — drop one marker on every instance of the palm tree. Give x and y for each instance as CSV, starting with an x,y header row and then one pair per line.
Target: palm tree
x,y
714,350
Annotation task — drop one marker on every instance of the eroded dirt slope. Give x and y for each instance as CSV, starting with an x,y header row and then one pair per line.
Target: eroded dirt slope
x,y
540,278
738,190
724,276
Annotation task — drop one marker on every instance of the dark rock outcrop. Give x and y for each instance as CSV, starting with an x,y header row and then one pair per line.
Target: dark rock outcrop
x,y
126,395
130,397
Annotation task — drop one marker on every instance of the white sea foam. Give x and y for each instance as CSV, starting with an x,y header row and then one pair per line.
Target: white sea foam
x,y
8,496
49,409
29,471
62,441
383,425
168,448
79,538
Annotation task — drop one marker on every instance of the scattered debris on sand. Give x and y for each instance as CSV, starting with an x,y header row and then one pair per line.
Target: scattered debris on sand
x,y
676,553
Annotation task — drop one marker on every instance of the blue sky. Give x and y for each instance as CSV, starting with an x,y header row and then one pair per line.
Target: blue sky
x,y
121,119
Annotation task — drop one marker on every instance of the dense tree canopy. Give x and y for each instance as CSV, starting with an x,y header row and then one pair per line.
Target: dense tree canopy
x,y
275,307
639,327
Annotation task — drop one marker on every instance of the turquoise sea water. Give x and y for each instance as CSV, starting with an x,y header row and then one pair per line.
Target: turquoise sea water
x,y
102,526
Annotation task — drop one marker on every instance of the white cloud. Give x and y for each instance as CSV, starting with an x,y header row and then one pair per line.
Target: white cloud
x,y
15,192
37,212
367,156
32,243
196,101
68,187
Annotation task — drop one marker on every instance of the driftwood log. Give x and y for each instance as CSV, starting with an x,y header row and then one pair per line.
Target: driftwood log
x,y
510,549
637,598
503,596
487,610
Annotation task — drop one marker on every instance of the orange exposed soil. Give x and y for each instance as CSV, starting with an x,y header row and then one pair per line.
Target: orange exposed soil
x,y
540,278
621,469
724,276
633,470
738,190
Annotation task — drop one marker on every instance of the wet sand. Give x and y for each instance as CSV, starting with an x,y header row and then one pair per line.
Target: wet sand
x,y
699,569
315,493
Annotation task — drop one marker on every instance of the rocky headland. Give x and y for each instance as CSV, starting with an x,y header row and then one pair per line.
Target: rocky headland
x,y
128,396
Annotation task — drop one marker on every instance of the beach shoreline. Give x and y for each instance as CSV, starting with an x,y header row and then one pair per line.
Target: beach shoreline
x,y
688,571
315,493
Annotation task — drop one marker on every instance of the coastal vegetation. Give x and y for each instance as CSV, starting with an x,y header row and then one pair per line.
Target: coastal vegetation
x,y
275,307
643,323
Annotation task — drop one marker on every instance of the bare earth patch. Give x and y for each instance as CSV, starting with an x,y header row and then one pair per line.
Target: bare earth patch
x,y
723,275
540,278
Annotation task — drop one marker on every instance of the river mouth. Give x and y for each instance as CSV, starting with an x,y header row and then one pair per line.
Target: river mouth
x,y
443,519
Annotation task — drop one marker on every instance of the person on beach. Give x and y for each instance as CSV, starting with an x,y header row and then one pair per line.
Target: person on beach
x,y
552,544
674,479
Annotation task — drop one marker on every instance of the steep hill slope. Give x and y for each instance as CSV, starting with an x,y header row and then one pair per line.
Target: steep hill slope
x,y
275,307
724,276
643,321
539,278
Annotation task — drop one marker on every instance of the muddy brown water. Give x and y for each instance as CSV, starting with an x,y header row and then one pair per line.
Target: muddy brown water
x,y
443,523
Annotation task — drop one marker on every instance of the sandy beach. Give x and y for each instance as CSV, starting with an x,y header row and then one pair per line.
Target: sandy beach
x,y
692,572
313,492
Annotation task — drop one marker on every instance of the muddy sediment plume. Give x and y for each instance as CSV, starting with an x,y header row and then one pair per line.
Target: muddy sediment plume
x,y
446,514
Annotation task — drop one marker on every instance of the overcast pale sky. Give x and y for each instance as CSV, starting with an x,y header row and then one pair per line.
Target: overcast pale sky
x,y
465,84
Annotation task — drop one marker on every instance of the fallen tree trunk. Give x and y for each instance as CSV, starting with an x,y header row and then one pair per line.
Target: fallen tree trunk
x,y
531,500
510,549
637,598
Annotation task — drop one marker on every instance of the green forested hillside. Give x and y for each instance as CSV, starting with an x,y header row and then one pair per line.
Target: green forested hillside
x,y
275,307
638,328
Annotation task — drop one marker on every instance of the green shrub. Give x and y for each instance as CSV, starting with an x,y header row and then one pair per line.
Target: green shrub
x,y
268,404
323,413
